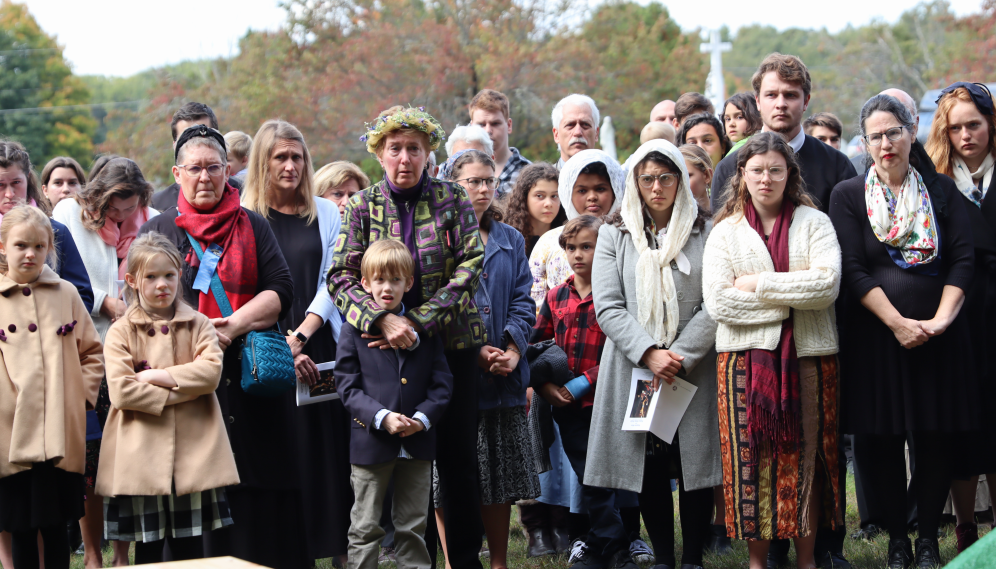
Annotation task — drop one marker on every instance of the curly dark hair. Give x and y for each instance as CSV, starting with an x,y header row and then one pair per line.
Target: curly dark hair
x,y
736,195
517,206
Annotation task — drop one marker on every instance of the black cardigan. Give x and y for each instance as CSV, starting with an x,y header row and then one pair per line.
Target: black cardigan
x,y
823,167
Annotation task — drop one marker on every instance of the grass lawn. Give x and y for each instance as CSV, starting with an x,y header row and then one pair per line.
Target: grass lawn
x,y
861,554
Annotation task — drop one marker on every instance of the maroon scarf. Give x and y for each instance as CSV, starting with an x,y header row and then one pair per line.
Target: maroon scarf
x,y
773,401
227,225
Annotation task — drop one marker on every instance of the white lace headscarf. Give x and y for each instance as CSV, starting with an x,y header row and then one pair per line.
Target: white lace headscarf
x,y
656,294
573,167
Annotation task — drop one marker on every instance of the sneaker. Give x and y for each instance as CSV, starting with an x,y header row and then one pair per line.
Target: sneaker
x,y
579,550
622,560
387,555
641,552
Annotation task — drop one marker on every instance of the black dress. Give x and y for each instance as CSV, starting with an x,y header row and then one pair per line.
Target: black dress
x,y
885,388
320,430
266,505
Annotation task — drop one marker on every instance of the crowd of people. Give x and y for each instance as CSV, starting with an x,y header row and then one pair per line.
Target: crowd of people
x,y
485,317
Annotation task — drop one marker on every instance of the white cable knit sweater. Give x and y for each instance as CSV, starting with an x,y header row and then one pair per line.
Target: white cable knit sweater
x,y
753,320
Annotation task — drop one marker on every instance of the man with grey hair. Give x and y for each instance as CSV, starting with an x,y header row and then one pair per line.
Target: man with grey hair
x,y
469,137
575,125
664,112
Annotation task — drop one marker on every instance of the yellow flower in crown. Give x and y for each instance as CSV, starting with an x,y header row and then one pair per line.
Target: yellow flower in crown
x,y
412,117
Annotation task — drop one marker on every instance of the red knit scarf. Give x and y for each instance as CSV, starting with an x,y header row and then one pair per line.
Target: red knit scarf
x,y
228,226
773,400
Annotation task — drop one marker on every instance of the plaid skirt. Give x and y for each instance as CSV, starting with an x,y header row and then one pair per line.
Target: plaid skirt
x,y
147,518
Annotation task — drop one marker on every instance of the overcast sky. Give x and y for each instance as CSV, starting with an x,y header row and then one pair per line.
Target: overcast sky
x,y
123,37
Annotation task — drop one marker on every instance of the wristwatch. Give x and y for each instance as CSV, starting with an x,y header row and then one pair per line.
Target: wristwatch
x,y
301,337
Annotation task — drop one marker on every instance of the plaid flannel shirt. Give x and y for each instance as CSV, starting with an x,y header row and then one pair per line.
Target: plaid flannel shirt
x,y
570,321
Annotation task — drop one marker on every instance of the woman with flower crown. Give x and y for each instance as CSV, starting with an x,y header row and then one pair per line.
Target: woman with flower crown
x,y
435,219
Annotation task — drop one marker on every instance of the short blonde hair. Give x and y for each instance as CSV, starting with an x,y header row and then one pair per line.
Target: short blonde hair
x,y
254,193
29,215
146,248
658,130
338,173
388,258
239,144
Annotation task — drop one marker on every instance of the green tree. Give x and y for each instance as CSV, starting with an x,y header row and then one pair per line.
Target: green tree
x,y
40,97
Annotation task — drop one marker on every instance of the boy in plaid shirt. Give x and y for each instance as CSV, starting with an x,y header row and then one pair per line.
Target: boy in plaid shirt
x,y
568,316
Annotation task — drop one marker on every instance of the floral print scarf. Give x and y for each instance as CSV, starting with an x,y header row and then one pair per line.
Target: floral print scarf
x,y
904,221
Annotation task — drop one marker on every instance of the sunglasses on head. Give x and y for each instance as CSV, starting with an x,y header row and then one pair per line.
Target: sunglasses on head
x,y
980,94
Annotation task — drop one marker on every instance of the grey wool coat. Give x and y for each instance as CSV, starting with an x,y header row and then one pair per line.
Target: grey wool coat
x,y
615,457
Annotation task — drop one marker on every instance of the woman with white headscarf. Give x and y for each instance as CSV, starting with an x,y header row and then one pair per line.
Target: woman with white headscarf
x,y
591,183
647,287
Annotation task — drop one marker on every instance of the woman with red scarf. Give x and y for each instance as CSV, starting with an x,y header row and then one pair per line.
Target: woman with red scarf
x,y
258,283
770,278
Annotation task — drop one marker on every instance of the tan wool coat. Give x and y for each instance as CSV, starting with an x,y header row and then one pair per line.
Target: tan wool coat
x,y
48,374
148,445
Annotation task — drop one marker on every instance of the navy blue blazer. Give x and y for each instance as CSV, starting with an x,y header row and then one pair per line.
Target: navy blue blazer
x,y
401,381
70,264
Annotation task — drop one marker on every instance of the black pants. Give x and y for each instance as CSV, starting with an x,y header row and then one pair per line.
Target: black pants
x,y
456,462
607,535
181,549
657,507
885,477
24,547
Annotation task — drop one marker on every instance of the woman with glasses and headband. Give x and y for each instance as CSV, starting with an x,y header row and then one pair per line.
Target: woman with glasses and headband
x,y
647,289
962,144
266,504
504,448
771,276
906,350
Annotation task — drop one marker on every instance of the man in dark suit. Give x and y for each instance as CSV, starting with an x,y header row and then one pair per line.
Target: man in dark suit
x,y
394,396
187,116
782,89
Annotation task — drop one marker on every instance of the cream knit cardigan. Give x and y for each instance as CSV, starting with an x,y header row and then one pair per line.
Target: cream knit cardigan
x,y
753,320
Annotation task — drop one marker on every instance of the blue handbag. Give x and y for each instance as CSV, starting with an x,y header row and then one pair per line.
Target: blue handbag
x,y
267,361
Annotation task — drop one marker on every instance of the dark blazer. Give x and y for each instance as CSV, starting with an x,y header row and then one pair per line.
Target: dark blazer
x,y
823,167
71,267
402,381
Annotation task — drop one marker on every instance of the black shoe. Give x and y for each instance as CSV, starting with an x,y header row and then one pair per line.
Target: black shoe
x,y
900,553
718,542
928,556
867,533
539,544
833,560
622,560
561,542
777,560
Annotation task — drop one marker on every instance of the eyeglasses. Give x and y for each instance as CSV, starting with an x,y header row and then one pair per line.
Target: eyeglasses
x,y
875,138
475,183
194,171
667,180
777,173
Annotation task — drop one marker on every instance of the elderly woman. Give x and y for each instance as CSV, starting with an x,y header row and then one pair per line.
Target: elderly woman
x,y
62,178
647,288
962,144
259,288
278,187
104,219
771,276
436,221
338,181
906,348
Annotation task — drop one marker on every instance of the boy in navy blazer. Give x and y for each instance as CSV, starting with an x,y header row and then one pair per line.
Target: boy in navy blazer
x,y
394,396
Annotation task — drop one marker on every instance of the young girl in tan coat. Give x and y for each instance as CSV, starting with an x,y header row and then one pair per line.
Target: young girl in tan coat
x,y
165,457
50,370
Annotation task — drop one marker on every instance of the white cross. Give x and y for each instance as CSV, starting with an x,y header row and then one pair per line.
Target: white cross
x,y
715,87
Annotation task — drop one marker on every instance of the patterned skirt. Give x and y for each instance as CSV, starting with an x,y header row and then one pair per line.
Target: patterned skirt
x,y
767,489
148,518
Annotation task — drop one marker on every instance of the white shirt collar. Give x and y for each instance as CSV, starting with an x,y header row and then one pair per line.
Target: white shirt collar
x,y
797,142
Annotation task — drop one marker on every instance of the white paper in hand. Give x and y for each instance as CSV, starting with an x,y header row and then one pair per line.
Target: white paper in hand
x,y
659,411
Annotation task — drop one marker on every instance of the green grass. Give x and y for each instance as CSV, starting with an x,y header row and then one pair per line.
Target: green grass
x,y
861,554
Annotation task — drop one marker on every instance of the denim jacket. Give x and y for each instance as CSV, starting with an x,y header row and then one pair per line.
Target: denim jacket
x,y
508,312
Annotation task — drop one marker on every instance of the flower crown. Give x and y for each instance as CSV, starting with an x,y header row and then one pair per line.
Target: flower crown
x,y
411,117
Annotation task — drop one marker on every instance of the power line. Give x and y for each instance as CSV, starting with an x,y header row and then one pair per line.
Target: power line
x,y
68,107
